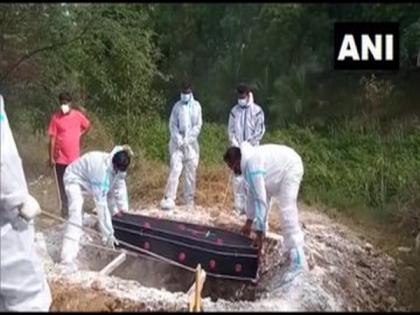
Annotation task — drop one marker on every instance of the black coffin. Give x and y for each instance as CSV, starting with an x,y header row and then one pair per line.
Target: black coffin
x,y
221,253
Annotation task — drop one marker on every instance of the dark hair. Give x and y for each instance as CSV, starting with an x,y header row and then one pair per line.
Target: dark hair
x,y
242,88
121,160
185,86
65,96
232,154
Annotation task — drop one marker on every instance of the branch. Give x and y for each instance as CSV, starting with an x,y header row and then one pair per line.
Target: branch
x,y
36,51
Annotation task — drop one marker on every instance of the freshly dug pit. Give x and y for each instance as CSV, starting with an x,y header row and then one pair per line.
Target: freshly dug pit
x,y
347,275
156,274
149,272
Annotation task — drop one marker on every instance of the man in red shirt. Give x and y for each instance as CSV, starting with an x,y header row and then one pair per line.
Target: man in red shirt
x,y
66,127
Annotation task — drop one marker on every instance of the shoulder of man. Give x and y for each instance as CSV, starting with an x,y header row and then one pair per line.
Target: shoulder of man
x,y
257,109
235,108
55,113
197,103
177,104
79,109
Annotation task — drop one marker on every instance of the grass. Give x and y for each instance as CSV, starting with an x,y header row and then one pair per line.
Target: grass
x,y
362,170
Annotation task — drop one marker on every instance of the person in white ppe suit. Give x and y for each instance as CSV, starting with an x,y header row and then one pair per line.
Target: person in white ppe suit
x,y
185,125
23,286
102,176
272,171
246,123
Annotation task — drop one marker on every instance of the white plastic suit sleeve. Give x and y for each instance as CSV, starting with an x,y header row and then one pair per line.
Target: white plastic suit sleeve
x,y
13,187
173,126
254,175
231,129
196,126
259,131
104,217
119,195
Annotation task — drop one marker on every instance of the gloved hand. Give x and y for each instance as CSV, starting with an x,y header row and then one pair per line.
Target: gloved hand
x,y
181,143
29,209
253,142
111,241
234,143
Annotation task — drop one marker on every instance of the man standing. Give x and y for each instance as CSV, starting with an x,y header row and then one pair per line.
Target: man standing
x,y
185,125
271,171
23,286
65,129
102,176
246,123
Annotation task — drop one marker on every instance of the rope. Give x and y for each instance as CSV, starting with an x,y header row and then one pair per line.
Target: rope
x,y
83,228
57,187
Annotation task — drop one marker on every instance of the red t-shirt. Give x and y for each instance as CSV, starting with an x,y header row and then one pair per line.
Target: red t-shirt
x,y
67,129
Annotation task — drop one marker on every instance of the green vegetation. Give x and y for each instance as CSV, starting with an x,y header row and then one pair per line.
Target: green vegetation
x,y
357,132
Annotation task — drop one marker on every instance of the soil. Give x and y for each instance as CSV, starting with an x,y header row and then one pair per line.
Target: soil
x,y
348,272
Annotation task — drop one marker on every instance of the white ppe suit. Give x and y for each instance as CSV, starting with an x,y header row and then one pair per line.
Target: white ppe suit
x,y
23,286
274,171
246,123
185,125
93,174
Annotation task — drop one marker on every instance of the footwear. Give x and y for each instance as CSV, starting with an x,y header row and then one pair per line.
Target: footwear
x,y
298,264
167,204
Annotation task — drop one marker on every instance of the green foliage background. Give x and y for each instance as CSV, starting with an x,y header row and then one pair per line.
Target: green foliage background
x,y
358,133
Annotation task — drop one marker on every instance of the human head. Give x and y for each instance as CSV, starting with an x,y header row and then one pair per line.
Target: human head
x,y
65,98
186,91
243,94
232,158
121,160
65,102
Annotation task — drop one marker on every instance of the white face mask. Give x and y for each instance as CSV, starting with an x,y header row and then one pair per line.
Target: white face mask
x,y
65,108
242,101
185,97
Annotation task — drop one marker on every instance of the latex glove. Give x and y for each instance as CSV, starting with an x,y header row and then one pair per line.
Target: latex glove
x,y
234,143
253,142
181,143
111,241
30,209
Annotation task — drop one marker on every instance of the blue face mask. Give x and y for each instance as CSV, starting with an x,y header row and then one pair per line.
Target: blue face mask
x,y
185,98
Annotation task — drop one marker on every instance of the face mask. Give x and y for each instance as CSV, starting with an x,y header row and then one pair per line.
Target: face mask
x,y
185,97
65,108
242,102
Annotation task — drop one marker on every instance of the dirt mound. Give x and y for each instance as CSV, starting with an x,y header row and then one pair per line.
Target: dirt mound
x,y
347,273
